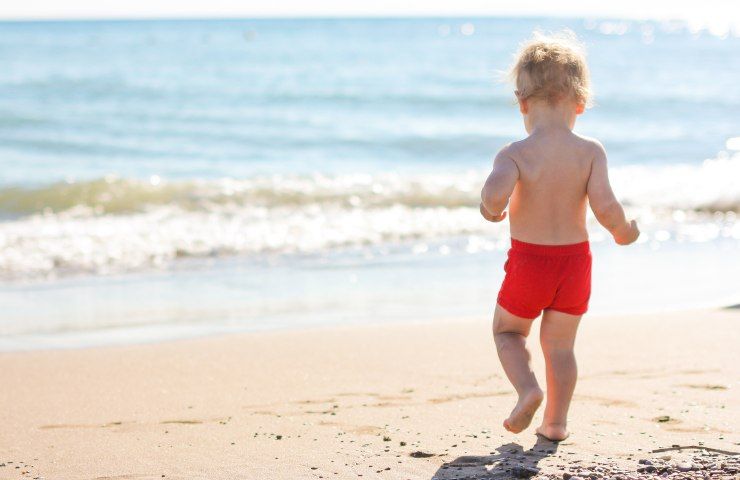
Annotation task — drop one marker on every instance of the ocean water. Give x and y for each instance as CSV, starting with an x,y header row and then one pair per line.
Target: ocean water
x,y
169,178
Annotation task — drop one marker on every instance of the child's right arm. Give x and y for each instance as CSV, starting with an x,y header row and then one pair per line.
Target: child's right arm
x,y
499,186
604,203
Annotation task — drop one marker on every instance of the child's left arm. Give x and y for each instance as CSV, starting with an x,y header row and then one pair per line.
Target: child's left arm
x,y
499,186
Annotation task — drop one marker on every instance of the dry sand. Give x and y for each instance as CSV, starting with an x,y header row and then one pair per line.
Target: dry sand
x,y
351,402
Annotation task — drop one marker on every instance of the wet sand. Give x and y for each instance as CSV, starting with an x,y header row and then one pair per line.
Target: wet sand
x,y
417,401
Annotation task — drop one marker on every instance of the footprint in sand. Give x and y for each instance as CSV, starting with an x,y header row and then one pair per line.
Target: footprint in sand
x,y
606,401
194,421
705,386
79,425
466,396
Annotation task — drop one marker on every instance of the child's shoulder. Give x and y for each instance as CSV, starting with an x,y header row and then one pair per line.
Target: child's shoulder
x,y
590,145
516,148
587,148
530,151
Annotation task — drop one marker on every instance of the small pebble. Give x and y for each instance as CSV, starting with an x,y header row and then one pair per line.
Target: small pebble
x,y
521,471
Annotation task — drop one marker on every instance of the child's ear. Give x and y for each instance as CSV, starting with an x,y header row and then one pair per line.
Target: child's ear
x,y
580,108
523,106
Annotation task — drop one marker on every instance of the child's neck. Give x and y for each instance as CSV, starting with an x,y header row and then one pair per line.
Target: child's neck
x,y
543,118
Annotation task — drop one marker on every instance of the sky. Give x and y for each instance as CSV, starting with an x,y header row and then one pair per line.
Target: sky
x,y
703,11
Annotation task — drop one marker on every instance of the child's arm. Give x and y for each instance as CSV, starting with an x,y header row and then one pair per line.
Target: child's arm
x,y
606,207
498,187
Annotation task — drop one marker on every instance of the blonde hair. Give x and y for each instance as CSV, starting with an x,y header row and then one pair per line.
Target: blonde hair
x,y
552,68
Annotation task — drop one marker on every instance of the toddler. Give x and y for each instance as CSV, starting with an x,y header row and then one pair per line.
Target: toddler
x,y
546,180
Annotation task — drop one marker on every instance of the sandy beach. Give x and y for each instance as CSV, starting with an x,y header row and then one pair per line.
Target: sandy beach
x,y
418,400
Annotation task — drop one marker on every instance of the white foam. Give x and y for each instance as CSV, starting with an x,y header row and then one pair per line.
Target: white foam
x,y
311,214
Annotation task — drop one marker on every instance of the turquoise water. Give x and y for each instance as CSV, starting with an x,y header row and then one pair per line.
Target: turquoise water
x,y
214,163
212,99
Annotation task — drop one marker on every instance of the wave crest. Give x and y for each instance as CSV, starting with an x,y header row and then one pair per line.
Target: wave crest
x,y
114,224
709,186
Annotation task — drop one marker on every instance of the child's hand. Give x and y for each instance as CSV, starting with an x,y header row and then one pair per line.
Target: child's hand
x,y
491,218
627,234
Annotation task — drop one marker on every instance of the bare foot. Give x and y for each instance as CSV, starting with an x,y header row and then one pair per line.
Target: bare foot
x,y
552,431
523,412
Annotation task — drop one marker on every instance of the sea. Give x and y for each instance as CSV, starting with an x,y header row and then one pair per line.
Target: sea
x,y
162,179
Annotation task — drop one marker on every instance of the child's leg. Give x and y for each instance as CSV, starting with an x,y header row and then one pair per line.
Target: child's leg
x,y
510,334
557,336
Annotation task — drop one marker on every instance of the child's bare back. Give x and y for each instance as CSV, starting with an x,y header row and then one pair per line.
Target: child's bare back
x,y
547,180
548,204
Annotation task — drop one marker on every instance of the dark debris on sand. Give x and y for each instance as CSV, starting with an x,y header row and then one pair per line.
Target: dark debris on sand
x,y
675,463
688,466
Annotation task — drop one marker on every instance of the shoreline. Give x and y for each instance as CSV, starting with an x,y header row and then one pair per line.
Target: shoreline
x,y
109,337
306,404
227,296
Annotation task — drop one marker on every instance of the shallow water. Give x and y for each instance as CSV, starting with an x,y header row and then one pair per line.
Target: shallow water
x,y
403,282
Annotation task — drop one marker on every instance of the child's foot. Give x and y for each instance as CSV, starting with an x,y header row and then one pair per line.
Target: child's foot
x,y
553,432
523,412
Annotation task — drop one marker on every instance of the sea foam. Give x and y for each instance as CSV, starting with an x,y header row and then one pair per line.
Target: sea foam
x,y
113,224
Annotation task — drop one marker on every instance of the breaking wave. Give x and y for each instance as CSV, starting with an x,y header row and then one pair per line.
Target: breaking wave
x,y
115,224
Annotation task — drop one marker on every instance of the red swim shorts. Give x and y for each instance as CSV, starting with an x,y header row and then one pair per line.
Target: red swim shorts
x,y
540,277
